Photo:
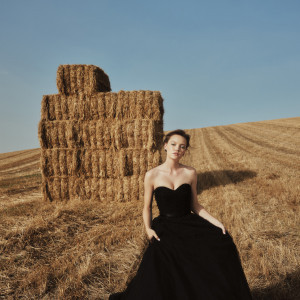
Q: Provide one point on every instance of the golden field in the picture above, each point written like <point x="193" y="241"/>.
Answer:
<point x="248" y="178"/>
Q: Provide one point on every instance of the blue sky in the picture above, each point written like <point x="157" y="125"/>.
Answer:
<point x="215" y="62"/>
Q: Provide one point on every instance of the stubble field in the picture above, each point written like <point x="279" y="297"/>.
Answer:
<point x="248" y="178"/>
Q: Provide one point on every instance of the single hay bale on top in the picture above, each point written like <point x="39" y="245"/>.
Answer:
<point x="76" y="79"/>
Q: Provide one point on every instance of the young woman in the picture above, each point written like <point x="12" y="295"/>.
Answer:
<point x="190" y="254"/>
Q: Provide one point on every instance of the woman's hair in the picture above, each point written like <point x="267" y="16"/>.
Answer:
<point x="179" y="132"/>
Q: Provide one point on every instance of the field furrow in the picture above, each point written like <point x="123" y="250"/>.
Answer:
<point x="277" y="144"/>
<point x="256" y="150"/>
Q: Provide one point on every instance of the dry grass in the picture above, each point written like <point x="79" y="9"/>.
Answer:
<point x="248" y="177"/>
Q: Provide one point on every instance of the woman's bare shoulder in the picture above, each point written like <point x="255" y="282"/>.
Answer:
<point x="188" y="168"/>
<point x="153" y="172"/>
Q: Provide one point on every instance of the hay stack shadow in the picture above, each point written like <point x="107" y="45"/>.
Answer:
<point x="288" y="289"/>
<point x="207" y="180"/>
<point x="97" y="144"/>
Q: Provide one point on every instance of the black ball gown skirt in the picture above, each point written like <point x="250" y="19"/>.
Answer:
<point x="193" y="259"/>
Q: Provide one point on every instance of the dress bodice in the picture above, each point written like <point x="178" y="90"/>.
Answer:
<point x="173" y="203"/>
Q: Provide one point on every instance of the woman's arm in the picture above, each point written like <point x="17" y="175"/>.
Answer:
<point x="198" y="209"/>
<point x="147" y="210"/>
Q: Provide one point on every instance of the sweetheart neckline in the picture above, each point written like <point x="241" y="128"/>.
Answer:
<point x="162" y="186"/>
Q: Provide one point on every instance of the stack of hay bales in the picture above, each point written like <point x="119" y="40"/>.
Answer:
<point x="97" y="144"/>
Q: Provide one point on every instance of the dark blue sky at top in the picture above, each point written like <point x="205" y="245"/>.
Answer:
<point x="215" y="62"/>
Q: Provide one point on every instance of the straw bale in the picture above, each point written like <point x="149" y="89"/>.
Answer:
<point x="56" y="107"/>
<point x="86" y="109"/>
<point x="110" y="106"/>
<point x="87" y="188"/>
<point x="78" y="191"/>
<point x="140" y="104"/>
<point x="143" y="162"/>
<point x="133" y="134"/>
<point x="77" y="106"/>
<point x="53" y="128"/>
<point x="109" y="189"/>
<point x="128" y="188"/>
<point x="132" y="104"/>
<point x="124" y="160"/>
<point x="81" y="77"/>
<point x="159" y="111"/>
<point x="130" y="134"/>
<point x="124" y="105"/>
<point x="119" y="190"/>
<point x="148" y="102"/>
<point x="62" y="161"/>
<point x="62" y="79"/>
<point x="98" y="163"/>
<point x="61" y="126"/>
<point x="46" y="163"/>
<point x="93" y="137"/>
<point x="94" y="106"/>
<point x="107" y="137"/>
<point x="134" y="187"/>
<point x="100" y="99"/>
<point x="103" y="170"/>
<point x="85" y="134"/>
<point x="136" y="161"/>
<point x="51" y="107"/>
<point x="71" y="162"/>
<point x="95" y="189"/>
<point x="73" y="134"/>
<point x="45" y="108"/>
<point x="95" y="164"/>
<point x="141" y="188"/>
<point x="65" y="112"/>
<point x="87" y="163"/>
<point x="137" y="134"/>
<point x="55" y="162"/>
<point x="100" y="135"/>
<point x="65" y="189"/>
<point x="56" y="188"/>
<point x="45" y="190"/>
<point x="42" y="134"/>
<point x="117" y="135"/>
<point x="73" y="80"/>
<point x="76" y="79"/>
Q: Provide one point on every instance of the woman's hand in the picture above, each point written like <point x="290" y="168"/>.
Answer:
<point x="151" y="233"/>
<point x="220" y="225"/>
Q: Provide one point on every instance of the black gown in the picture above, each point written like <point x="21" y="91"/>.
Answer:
<point x="193" y="259"/>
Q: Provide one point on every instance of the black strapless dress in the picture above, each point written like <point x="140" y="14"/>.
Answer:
<point x="193" y="260"/>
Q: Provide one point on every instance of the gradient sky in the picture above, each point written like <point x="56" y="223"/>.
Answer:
<point x="216" y="62"/>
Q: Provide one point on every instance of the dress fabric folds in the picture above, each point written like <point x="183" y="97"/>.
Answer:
<point x="193" y="260"/>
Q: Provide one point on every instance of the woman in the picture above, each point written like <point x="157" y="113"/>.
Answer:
<point x="190" y="254"/>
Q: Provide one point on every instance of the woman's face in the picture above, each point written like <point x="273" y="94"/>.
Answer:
<point x="176" y="146"/>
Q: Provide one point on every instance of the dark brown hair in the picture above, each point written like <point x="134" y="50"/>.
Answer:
<point x="179" y="132"/>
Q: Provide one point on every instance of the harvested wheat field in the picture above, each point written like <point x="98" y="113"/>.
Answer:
<point x="248" y="177"/>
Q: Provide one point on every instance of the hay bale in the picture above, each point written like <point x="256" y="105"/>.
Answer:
<point x="124" y="105"/>
<point x="76" y="79"/>
<point x="125" y="189"/>
<point x="43" y="134"/>
<point x="103" y="163"/>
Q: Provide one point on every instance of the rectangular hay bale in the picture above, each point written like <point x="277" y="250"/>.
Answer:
<point x="76" y="79"/>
